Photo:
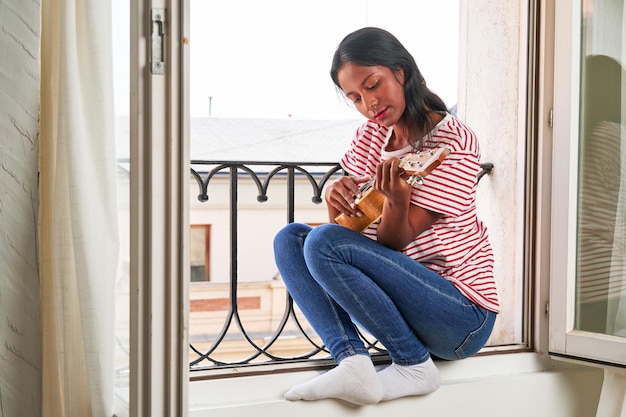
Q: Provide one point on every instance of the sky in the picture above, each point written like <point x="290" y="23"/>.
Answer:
<point x="271" y="59"/>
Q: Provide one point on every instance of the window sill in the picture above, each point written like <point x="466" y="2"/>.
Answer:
<point x="518" y="375"/>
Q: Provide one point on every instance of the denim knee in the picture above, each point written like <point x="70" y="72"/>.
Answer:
<point x="288" y="232"/>
<point x="331" y="234"/>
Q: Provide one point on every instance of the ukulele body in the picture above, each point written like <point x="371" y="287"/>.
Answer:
<point x="416" y="165"/>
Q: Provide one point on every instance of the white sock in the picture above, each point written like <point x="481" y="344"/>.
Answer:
<point x="402" y="381"/>
<point x="353" y="380"/>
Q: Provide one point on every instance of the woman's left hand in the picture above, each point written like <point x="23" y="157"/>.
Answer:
<point x="401" y="221"/>
<point x="390" y="181"/>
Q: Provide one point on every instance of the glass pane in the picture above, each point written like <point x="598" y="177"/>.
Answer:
<point x="198" y="252"/>
<point x="601" y="247"/>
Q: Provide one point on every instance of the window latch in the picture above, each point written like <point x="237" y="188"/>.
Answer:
<point x="157" y="64"/>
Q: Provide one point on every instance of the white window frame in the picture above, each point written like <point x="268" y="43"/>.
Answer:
<point x="159" y="236"/>
<point x="564" y="340"/>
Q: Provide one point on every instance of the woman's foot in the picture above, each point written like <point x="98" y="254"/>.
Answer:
<point x="402" y="381"/>
<point x="353" y="380"/>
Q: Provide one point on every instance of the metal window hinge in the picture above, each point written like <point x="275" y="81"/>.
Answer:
<point x="157" y="61"/>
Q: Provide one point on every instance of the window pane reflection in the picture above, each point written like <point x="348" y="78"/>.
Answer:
<point x="601" y="247"/>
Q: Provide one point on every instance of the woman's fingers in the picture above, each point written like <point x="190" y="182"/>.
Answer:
<point x="389" y="177"/>
<point x="385" y="173"/>
<point x="342" y="196"/>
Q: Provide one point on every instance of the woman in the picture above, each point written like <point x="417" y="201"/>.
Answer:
<point x="420" y="279"/>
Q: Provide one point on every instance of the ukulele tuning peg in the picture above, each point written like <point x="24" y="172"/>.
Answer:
<point x="415" y="179"/>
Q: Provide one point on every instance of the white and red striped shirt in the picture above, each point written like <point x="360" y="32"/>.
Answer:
<point x="456" y="246"/>
<point x="601" y="224"/>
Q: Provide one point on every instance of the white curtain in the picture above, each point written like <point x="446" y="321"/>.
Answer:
<point x="78" y="221"/>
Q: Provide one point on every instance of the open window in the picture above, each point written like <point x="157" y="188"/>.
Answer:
<point x="221" y="75"/>
<point x="588" y="278"/>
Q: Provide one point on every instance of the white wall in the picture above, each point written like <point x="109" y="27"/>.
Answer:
<point x="492" y="101"/>
<point x="20" y="340"/>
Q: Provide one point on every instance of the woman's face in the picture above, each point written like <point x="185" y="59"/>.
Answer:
<point x="377" y="92"/>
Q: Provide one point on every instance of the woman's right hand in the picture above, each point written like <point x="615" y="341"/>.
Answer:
<point x="341" y="195"/>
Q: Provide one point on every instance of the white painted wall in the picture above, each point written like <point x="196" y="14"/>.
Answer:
<point x="492" y="101"/>
<point x="20" y="340"/>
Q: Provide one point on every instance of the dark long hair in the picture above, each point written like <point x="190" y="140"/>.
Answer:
<point x="372" y="46"/>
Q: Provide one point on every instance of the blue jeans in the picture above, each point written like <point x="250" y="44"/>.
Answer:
<point x="339" y="277"/>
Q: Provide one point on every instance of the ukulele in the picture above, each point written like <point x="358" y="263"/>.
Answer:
<point x="415" y="165"/>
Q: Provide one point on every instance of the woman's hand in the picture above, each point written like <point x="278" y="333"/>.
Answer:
<point x="341" y="195"/>
<point x="401" y="221"/>
<point x="391" y="183"/>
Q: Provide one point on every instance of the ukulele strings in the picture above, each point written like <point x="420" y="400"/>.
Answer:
<point x="370" y="183"/>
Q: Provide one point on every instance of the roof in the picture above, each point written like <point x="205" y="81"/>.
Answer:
<point x="276" y="140"/>
<point x="285" y="140"/>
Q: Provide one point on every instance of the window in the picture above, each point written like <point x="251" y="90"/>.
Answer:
<point x="159" y="281"/>
<point x="267" y="97"/>
<point x="158" y="221"/>
<point x="199" y="252"/>
<point x="589" y="233"/>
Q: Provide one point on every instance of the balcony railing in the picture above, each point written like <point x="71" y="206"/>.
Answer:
<point x="291" y="325"/>
<point x="263" y="175"/>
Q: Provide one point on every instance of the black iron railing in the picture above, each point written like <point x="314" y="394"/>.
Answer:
<point x="262" y="174"/>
